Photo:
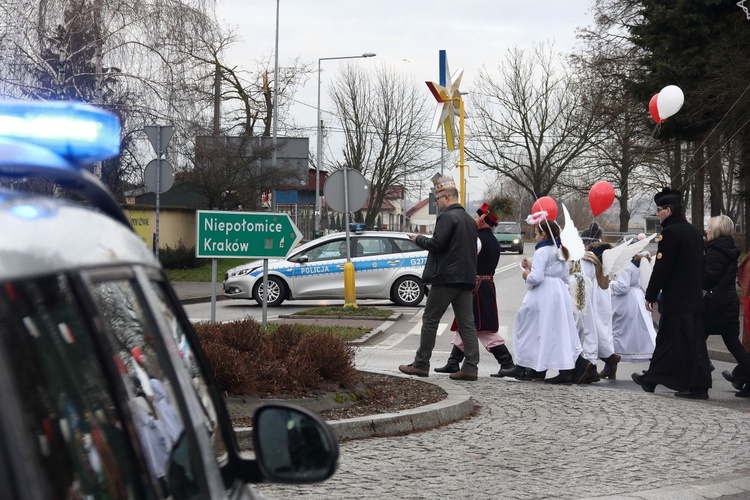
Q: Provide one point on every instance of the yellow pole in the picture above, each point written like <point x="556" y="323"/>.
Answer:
<point x="461" y="158"/>
<point x="350" y="289"/>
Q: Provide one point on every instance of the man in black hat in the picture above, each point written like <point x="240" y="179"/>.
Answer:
<point x="680" y="359"/>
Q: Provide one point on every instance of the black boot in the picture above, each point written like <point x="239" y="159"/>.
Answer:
<point x="503" y="356"/>
<point x="515" y="371"/>
<point x="534" y="375"/>
<point x="565" y="377"/>
<point x="457" y="355"/>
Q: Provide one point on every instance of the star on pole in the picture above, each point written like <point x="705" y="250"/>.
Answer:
<point x="450" y="97"/>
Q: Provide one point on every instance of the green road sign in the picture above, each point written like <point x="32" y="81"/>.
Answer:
<point x="254" y="235"/>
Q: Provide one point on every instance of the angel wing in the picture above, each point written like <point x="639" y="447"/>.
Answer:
<point x="570" y="238"/>
<point x="612" y="259"/>
<point x="616" y="259"/>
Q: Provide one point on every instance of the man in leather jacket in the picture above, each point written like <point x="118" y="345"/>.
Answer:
<point x="451" y="272"/>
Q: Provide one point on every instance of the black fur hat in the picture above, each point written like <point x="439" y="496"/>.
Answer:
<point x="667" y="196"/>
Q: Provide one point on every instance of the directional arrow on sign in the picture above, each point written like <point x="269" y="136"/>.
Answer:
<point x="251" y="235"/>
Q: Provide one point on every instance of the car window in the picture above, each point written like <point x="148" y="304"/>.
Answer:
<point x="405" y="245"/>
<point x="152" y="401"/>
<point x="508" y="229"/>
<point x="373" y="246"/>
<point x="77" y="428"/>
<point x="327" y="251"/>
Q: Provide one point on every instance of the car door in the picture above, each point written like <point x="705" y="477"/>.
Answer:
<point x="322" y="274"/>
<point x="376" y="260"/>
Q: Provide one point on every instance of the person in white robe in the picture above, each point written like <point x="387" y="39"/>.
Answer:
<point x="544" y="332"/>
<point x="582" y="281"/>
<point x="632" y="324"/>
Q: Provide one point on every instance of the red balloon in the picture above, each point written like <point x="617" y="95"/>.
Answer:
<point x="547" y="204"/>
<point x="654" y="109"/>
<point x="601" y="197"/>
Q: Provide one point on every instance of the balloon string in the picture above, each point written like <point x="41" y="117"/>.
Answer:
<point x="718" y="150"/>
<point x="643" y="149"/>
<point x="709" y="135"/>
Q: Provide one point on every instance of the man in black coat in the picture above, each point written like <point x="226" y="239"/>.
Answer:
<point x="680" y="360"/>
<point x="451" y="271"/>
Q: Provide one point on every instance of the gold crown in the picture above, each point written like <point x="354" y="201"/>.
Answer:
<point x="444" y="182"/>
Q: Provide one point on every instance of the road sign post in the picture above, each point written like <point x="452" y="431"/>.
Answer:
<point x="158" y="136"/>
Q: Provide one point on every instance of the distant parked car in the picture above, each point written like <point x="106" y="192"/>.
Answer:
<point x="509" y="236"/>
<point x="387" y="265"/>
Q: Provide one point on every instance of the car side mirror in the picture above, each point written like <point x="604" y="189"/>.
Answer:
<point x="302" y="259"/>
<point x="293" y="445"/>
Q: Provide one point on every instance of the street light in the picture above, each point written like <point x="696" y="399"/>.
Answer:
<point x="318" y="153"/>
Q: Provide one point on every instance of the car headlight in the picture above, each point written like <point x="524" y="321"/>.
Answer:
<point x="516" y="241"/>
<point x="240" y="272"/>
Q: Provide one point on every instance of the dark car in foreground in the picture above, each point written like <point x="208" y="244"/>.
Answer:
<point x="106" y="392"/>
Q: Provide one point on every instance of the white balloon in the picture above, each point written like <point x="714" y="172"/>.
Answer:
<point x="669" y="101"/>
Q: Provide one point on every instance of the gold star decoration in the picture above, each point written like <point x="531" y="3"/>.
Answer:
<point x="449" y="96"/>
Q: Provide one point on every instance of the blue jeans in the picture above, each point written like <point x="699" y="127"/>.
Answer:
<point x="438" y="300"/>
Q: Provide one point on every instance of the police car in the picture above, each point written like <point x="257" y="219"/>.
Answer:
<point x="387" y="265"/>
<point x="105" y="390"/>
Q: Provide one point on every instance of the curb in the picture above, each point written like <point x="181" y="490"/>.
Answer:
<point x="392" y="317"/>
<point x="201" y="300"/>
<point x="457" y="405"/>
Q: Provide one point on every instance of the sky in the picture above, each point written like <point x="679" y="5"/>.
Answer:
<point x="405" y="34"/>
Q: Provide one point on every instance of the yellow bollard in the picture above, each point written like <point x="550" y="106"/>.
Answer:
<point x="350" y="290"/>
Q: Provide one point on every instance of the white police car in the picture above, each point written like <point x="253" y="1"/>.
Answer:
<point x="387" y="265"/>
<point x="105" y="391"/>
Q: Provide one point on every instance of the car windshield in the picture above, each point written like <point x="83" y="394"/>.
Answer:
<point x="508" y="229"/>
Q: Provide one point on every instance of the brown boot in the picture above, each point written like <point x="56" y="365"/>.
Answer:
<point x="610" y="367"/>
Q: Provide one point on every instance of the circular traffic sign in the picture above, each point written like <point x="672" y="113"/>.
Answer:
<point x="356" y="185"/>
<point x="166" y="179"/>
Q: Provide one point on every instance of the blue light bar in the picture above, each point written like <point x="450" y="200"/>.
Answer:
<point x="76" y="131"/>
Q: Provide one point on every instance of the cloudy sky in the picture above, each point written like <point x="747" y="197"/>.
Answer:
<point x="405" y="34"/>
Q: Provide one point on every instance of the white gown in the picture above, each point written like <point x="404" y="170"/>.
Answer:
<point x="632" y="325"/>
<point x="544" y="332"/>
<point x="585" y="321"/>
<point x="601" y="309"/>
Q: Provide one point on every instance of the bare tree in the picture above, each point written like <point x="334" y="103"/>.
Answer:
<point x="529" y="124"/>
<point x="120" y="55"/>
<point x="385" y="120"/>
<point x="625" y="149"/>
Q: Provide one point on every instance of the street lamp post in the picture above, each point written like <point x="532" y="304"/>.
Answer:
<point x="318" y="153"/>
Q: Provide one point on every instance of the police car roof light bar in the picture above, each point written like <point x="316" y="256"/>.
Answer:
<point x="80" y="133"/>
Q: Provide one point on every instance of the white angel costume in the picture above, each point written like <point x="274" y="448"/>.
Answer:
<point x="632" y="325"/>
<point x="584" y="315"/>
<point x="544" y="331"/>
<point x="601" y="310"/>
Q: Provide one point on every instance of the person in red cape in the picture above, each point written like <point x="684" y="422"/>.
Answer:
<point x="743" y="280"/>
<point x="485" y="299"/>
